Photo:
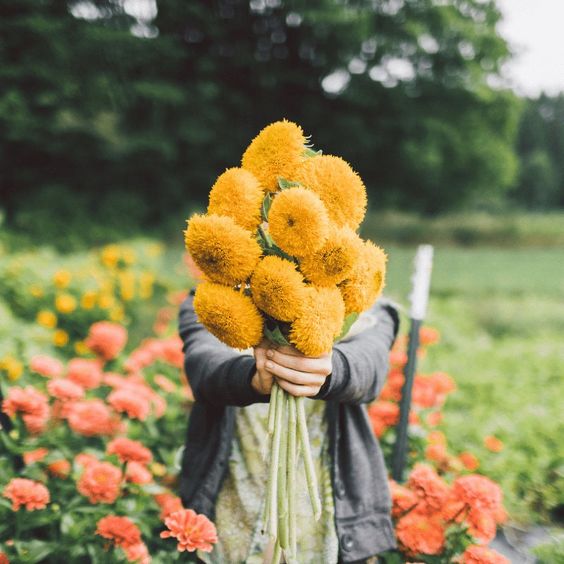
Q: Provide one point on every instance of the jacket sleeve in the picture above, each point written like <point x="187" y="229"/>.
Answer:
<point x="361" y="364"/>
<point x="217" y="374"/>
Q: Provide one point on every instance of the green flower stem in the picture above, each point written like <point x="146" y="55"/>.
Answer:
<point x="272" y="528"/>
<point x="277" y="553"/>
<point x="292" y="463"/>
<point x="272" y="408"/>
<point x="308" y="461"/>
<point x="283" y="476"/>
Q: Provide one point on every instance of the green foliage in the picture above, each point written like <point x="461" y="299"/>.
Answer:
<point x="102" y="124"/>
<point x="503" y="229"/>
<point x="540" y="146"/>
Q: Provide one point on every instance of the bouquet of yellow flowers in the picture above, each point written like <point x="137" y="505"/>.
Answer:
<point x="282" y="259"/>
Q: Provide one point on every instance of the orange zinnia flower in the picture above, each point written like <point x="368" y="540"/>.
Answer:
<point x="403" y="499"/>
<point x="64" y="389"/>
<point x="121" y="530"/>
<point x="431" y="490"/>
<point x="134" y="405"/>
<point x="31" y="403"/>
<point x="421" y="534"/>
<point x="493" y="443"/>
<point x="429" y="335"/>
<point x="23" y="492"/>
<point x="136" y="473"/>
<point x="129" y="450"/>
<point x="475" y="554"/>
<point x="106" y="339"/>
<point x="36" y="455"/>
<point x="469" y="461"/>
<point x="83" y="459"/>
<point x="46" y="366"/>
<point x="168" y="503"/>
<point x="100" y="482"/>
<point x="193" y="531"/>
<point x="59" y="468"/>
<point x="85" y="372"/>
<point x="92" y="418"/>
<point x="137" y="553"/>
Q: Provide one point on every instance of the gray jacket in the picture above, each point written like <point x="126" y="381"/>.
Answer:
<point x="220" y="378"/>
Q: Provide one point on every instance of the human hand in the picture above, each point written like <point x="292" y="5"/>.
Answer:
<point x="296" y="373"/>
<point x="263" y="379"/>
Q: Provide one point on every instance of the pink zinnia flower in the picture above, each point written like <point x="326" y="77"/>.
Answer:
<point x="85" y="372"/>
<point x="106" y="339"/>
<point x="32" y="404"/>
<point x="92" y="418"/>
<point x="135" y="405"/>
<point x="64" y="389"/>
<point x="46" y="366"/>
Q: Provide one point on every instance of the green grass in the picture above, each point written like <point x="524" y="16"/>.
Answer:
<point x="501" y="317"/>
<point x="509" y="228"/>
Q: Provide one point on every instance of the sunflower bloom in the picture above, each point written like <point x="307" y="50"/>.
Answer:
<point x="278" y="288"/>
<point x="224" y="251"/>
<point x="367" y="279"/>
<point x="238" y="195"/>
<point x="319" y="322"/>
<point x="229" y="315"/>
<point x="335" y="260"/>
<point x="298" y="221"/>
<point x="275" y="152"/>
<point x="339" y="187"/>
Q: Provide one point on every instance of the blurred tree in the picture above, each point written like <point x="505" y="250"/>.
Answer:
<point x="128" y="110"/>
<point x="540" y="145"/>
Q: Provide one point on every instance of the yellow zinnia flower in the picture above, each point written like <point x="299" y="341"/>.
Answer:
<point x="320" y="321"/>
<point x="367" y="279"/>
<point x="335" y="260"/>
<point x="88" y="299"/>
<point x="65" y="303"/>
<point x="229" y="315"/>
<point x="275" y="152"/>
<point x="36" y="291"/>
<point x="62" y="278"/>
<point x="339" y="187"/>
<point x="126" y="285"/>
<point x="278" y="288"/>
<point x="224" y="251"/>
<point x="46" y="318"/>
<point x="110" y="255"/>
<point x="237" y="194"/>
<point x="298" y="221"/>
<point x="60" y="338"/>
<point x="106" y="300"/>
<point x="146" y="281"/>
<point x="12" y="366"/>
<point x="81" y="348"/>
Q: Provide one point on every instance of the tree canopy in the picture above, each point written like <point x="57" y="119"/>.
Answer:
<point x="129" y="117"/>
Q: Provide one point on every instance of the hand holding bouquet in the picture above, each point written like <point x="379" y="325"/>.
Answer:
<point x="282" y="259"/>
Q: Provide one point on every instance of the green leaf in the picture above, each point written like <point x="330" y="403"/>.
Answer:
<point x="347" y="324"/>
<point x="285" y="184"/>
<point x="275" y="335"/>
<point x="266" y="203"/>
<point x="309" y="152"/>
<point x="34" y="551"/>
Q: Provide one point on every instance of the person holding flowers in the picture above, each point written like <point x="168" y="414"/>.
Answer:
<point x="286" y="338"/>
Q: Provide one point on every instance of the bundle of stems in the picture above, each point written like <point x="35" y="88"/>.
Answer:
<point x="287" y="430"/>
